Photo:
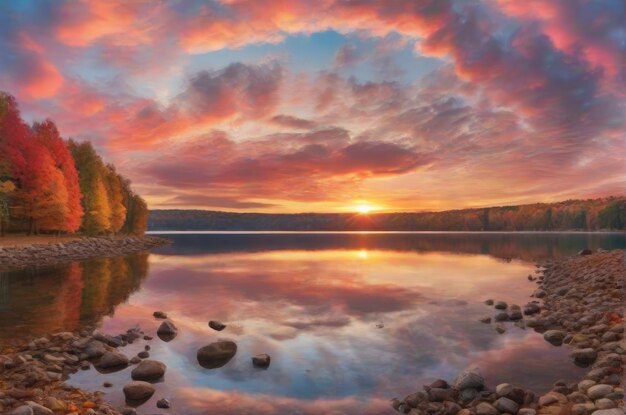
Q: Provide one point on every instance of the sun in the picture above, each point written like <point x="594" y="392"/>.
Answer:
<point x="364" y="208"/>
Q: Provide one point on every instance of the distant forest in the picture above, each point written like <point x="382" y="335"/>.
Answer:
<point x="49" y="184"/>
<point x="583" y="215"/>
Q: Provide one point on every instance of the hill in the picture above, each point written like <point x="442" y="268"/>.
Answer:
<point x="591" y="215"/>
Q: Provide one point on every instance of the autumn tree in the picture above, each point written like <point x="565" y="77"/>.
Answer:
<point x="47" y="135"/>
<point x="91" y="178"/>
<point x="116" y="194"/>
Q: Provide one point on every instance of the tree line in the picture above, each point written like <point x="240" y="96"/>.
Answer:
<point x="49" y="184"/>
<point x="583" y="215"/>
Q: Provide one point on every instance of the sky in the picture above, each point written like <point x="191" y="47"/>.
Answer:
<point x="332" y="105"/>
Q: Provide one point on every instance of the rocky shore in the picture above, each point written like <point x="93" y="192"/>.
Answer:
<point x="79" y="249"/>
<point x="579" y="304"/>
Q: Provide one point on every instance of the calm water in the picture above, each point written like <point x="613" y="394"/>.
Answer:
<point x="350" y="320"/>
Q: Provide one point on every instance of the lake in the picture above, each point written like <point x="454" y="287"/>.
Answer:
<point x="350" y="320"/>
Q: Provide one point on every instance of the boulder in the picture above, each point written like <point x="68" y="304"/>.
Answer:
<point x="503" y="316"/>
<point x="138" y="390"/>
<point x="216" y="355"/>
<point x="148" y="370"/>
<point x="585" y="252"/>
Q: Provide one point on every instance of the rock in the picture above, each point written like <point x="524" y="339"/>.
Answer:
<point x="539" y="293"/>
<point x="548" y="399"/>
<point x="143" y="354"/>
<point x="605" y="403"/>
<point x="500" y="328"/>
<point x="134" y="360"/>
<point x="439" y="383"/>
<point x="470" y="378"/>
<point x="614" y="411"/>
<point x="489" y="302"/>
<point x="599" y="391"/>
<point x="585" y="356"/>
<point x="159" y="315"/>
<point x="531" y="308"/>
<point x="216" y="355"/>
<point x="527" y="411"/>
<point x="585" y="252"/>
<point x="112" y="360"/>
<point x="261" y="360"/>
<point x="163" y="403"/>
<point x="486" y="320"/>
<point x="500" y="305"/>
<point x="22" y="410"/>
<point x="167" y="331"/>
<point x="583" y="385"/>
<point x="451" y="408"/>
<point x="506" y="405"/>
<point x="485" y="408"/>
<point x="138" y="390"/>
<point x="38" y="409"/>
<point x="107" y="384"/>
<point x="554" y="337"/>
<point x="503" y="316"/>
<point x="55" y="405"/>
<point x="216" y="325"/>
<point x="148" y="370"/>
<point x="516" y="315"/>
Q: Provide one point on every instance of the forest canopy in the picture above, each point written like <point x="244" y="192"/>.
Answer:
<point x="49" y="184"/>
<point x="583" y="215"/>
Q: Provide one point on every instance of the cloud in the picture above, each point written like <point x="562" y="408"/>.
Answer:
<point x="292" y="122"/>
<point x="212" y="201"/>
<point x="348" y="55"/>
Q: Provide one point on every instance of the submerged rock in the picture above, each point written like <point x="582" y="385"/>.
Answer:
<point x="113" y="360"/>
<point x="137" y="390"/>
<point x="216" y="325"/>
<point x="216" y="355"/>
<point x="148" y="370"/>
<point x="159" y="314"/>
<point x="554" y="337"/>
<point x="167" y="331"/>
<point x="261" y="360"/>
<point x="163" y="403"/>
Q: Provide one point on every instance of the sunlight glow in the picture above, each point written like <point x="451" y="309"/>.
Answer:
<point x="364" y="208"/>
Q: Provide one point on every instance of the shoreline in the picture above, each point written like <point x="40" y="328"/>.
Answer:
<point x="579" y="304"/>
<point x="79" y="248"/>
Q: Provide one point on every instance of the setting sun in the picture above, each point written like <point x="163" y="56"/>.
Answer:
<point x="364" y="208"/>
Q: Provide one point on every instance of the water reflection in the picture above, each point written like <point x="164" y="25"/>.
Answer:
<point x="348" y="320"/>
<point x="36" y="301"/>
<point x="527" y="246"/>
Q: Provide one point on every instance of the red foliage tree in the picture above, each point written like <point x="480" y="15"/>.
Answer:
<point x="47" y="134"/>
